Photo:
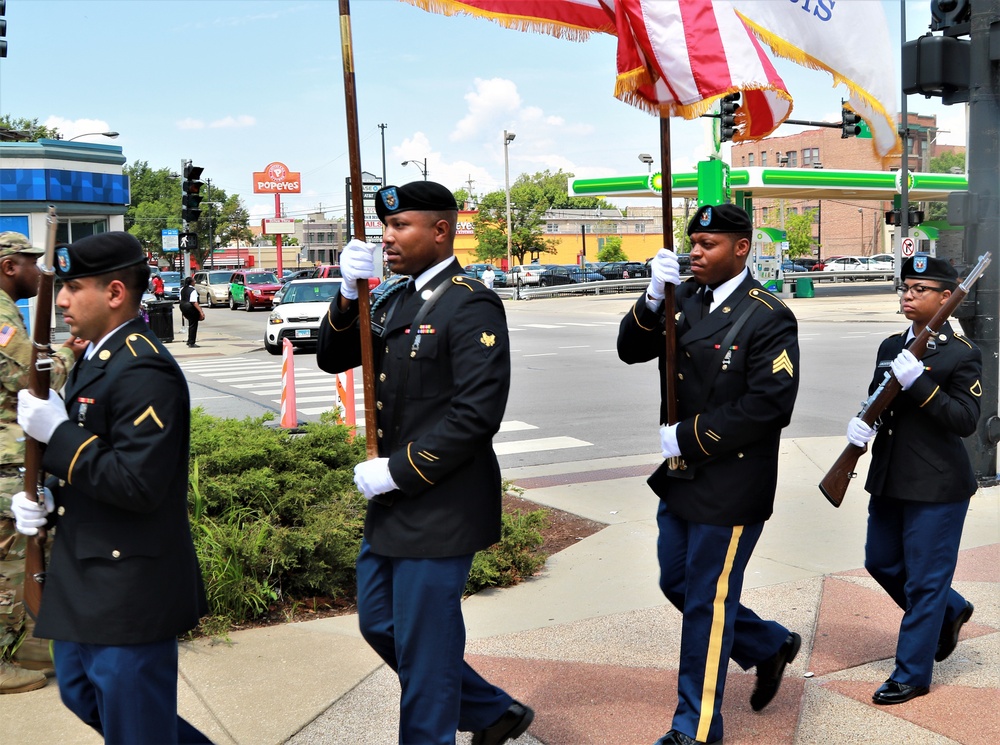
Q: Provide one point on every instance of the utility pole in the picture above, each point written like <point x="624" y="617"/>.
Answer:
<point x="382" y="127"/>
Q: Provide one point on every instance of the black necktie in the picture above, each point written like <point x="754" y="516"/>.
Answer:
<point x="706" y="301"/>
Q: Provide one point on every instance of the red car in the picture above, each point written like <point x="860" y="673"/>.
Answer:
<point x="249" y="289"/>
<point x="333" y="270"/>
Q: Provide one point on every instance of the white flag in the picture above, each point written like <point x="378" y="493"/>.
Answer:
<point x="850" y="40"/>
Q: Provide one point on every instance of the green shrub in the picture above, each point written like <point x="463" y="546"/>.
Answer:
<point x="276" y="518"/>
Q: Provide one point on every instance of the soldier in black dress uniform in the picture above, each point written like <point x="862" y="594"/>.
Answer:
<point x="124" y="579"/>
<point x="442" y="360"/>
<point x="921" y="479"/>
<point x="737" y="377"/>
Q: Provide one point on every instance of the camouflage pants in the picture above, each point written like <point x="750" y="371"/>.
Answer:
<point x="16" y="626"/>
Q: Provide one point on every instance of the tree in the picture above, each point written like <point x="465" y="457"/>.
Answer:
<point x="947" y="162"/>
<point x="527" y="210"/>
<point x="25" y="130"/>
<point x="612" y="250"/>
<point x="682" y="243"/>
<point x="554" y="189"/>
<point x="798" y="228"/>
<point x="462" y="197"/>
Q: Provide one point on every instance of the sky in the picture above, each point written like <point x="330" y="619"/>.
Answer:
<point x="234" y="85"/>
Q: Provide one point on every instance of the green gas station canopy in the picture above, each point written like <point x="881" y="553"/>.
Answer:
<point x="783" y="183"/>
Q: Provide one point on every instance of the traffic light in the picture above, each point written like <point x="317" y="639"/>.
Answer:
<point x="850" y="123"/>
<point x="727" y="116"/>
<point x="3" y="28"/>
<point x="191" y="188"/>
<point x="948" y="13"/>
<point x="895" y="217"/>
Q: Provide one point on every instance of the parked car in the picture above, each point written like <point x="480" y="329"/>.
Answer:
<point x="791" y="266"/>
<point x="297" y="314"/>
<point x="171" y="286"/>
<point x="683" y="261"/>
<point x="807" y="263"/>
<point x="855" y="264"/>
<point x="499" y="276"/>
<point x="890" y="258"/>
<point x="567" y="275"/>
<point x="290" y="275"/>
<point x="333" y="271"/>
<point x="526" y="274"/>
<point x="879" y="262"/>
<point x="249" y="289"/>
<point x="212" y="287"/>
<point x="624" y="270"/>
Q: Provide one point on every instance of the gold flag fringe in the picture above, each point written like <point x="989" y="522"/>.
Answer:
<point x="510" y="20"/>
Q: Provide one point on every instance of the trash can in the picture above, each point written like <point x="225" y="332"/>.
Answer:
<point x="804" y="287"/>
<point x="161" y="319"/>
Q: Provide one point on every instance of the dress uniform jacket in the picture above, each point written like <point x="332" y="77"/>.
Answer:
<point x="728" y="434"/>
<point x="124" y="569"/>
<point x="918" y="453"/>
<point x="441" y="395"/>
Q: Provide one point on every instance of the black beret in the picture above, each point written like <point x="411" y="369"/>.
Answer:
<point x="424" y="196"/>
<point x="720" y="218"/>
<point x="924" y="266"/>
<point x="98" y="254"/>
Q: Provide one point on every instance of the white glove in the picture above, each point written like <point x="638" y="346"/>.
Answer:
<point x="859" y="433"/>
<point x="907" y="369"/>
<point x="668" y="441"/>
<point x="356" y="262"/>
<point x="663" y="269"/>
<point x="39" y="417"/>
<point x="29" y="516"/>
<point x="372" y="477"/>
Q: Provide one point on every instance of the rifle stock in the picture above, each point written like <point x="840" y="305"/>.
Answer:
<point x="835" y="482"/>
<point x="38" y="385"/>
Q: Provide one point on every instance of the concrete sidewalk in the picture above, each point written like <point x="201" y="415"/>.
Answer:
<point x="592" y="646"/>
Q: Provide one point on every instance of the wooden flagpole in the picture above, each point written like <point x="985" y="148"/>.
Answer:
<point x="358" y="219"/>
<point x="669" y="326"/>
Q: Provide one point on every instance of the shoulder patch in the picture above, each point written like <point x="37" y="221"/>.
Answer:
<point x="7" y="332"/>
<point x="135" y="345"/>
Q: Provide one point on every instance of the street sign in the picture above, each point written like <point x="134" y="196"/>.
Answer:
<point x="907" y="246"/>
<point x="168" y="238"/>
<point x="188" y="241"/>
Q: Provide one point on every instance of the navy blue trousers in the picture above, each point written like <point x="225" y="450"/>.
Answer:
<point x="126" y="693"/>
<point x="410" y="612"/>
<point x="701" y="574"/>
<point x="912" y="549"/>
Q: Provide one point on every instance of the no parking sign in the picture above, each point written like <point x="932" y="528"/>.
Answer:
<point x="907" y="246"/>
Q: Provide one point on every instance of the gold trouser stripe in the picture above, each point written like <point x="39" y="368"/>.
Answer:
<point x="69" y="474"/>
<point x="637" y="320"/>
<point x="714" y="657"/>
<point x="933" y="394"/>
<point x="409" y="457"/>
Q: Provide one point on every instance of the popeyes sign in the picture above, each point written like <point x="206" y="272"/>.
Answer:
<point x="277" y="179"/>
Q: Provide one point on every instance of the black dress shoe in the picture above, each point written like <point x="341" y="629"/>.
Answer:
<point x="673" y="737"/>
<point x="949" y="633"/>
<point x="509" y="726"/>
<point x="892" y="692"/>
<point x="771" y="670"/>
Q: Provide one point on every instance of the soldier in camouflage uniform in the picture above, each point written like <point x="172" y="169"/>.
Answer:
<point x="18" y="280"/>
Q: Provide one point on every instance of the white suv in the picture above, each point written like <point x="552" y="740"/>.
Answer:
<point x="525" y="274"/>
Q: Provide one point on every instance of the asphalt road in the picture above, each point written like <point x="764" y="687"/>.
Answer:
<point x="571" y="398"/>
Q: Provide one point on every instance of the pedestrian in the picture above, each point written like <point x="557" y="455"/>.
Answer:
<point x="24" y="659"/>
<point x="489" y="276"/>
<point x="124" y="580"/>
<point x="921" y="479"/>
<point x="735" y="369"/>
<point x="157" y="283"/>
<point x="442" y="356"/>
<point x="191" y="310"/>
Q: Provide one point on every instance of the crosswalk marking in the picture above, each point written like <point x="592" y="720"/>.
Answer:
<point x="515" y="426"/>
<point x="540" y="443"/>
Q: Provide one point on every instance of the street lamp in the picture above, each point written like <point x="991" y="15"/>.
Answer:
<point x="422" y="169"/>
<point x="861" y="214"/>
<point x="508" y="137"/>
<point x="110" y="135"/>
<point x="647" y="159"/>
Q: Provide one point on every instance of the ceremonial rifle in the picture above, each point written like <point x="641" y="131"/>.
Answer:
<point x="38" y="385"/>
<point x="834" y="484"/>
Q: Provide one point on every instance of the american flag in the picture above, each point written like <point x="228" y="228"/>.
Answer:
<point x="7" y="332"/>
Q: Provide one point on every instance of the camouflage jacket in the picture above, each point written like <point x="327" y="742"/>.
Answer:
<point x="15" y="361"/>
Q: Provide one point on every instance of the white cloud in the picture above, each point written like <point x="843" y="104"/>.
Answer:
<point x="70" y="128"/>
<point x="190" y="123"/>
<point x="492" y="102"/>
<point x="229" y="122"/>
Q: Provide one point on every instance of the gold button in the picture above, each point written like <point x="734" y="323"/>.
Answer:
<point x="688" y="355"/>
<point x="387" y="349"/>
<point x="680" y="376"/>
<point x="890" y="433"/>
<point x="61" y="511"/>
<point x="105" y="354"/>
<point x="381" y="378"/>
<point x="378" y="405"/>
<point x="739" y="455"/>
<point x="379" y="431"/>
<point x="116" y="554"/>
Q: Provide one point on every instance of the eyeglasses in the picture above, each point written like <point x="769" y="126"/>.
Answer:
<point x="918" y="290"/>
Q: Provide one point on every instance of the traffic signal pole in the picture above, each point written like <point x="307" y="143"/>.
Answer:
<point x="982" y="225"/>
